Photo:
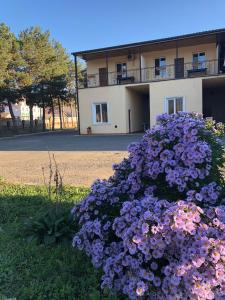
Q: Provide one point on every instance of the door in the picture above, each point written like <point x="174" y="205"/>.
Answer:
<point x="179" y="67"/>
<point x="103" y="77"/>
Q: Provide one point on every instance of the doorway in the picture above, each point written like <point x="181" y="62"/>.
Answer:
<point x="214" y="99"/>
<point x="138" y="108"/>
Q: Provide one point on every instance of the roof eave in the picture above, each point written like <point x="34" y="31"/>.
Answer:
<point x="150" y="42"/>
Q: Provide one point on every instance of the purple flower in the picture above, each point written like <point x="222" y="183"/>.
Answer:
<point x="141" y="288"/>
<point x="156" y="227"/>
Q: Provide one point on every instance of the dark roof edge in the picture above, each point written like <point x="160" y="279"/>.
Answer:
<point x="123" y="46"/>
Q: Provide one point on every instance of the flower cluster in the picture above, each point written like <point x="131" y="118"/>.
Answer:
<point x="150" y="244"/>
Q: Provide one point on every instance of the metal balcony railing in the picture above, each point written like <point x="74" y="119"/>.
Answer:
<point x="144" y="75"/>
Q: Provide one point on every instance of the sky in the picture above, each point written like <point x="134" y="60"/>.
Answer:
<point x="89" y="24"/>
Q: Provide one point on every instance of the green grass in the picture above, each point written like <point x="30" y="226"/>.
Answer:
<point x="30" y="271"/>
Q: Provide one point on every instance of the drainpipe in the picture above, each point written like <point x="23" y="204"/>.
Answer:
<point x="77" y="93"/>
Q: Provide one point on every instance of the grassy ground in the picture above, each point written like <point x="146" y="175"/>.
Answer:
<point x="30" y="271"/>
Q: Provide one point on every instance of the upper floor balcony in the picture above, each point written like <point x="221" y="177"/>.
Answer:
<point x="178" y="70"/>
<point x="193" y="55"/>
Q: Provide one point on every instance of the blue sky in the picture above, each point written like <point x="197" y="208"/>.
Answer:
<point x="87" y="24"/>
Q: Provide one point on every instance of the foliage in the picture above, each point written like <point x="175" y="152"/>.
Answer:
<point x="12" y="72"/>
<point x="157" y="227"/>
<point x="30" y="270"/>
<point x="46" y="63"/>
<point x="55" y="226"/>
<point x="36" y="68"/>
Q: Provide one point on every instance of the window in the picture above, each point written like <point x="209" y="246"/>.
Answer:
<point x="160" y="67"/>
<point x="174" y="105"/>
<point x="100" y="113"/>
<point x="199" y="60"/>
<point x="121" y="70"/>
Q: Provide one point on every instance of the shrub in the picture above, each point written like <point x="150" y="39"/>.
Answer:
<point x="157" y="226"/>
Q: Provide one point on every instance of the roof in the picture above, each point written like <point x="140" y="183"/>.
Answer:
<point x="151" y="42"/>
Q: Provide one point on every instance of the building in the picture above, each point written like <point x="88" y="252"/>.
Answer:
<point x="127" y="86"/>
<point x="21" y="111"/>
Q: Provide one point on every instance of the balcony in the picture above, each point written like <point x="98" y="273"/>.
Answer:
<point x="151" y="74"/>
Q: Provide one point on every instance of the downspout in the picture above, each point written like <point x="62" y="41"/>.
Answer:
<point x="77" y="94"/>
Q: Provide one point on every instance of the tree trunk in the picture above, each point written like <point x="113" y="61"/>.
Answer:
<point x="63" y="120"/>
<point x="43" y="117"/>
<point x="71" y="111"/>
<point x="12" y="115"/>
<point x="53" y="116"/>
<point x="60" y="114"/>
<point x="31" y="117"/>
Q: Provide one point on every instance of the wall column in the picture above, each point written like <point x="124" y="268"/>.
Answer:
<point x="140" y="64"/>
<point x="107" y="68"/>
<point x="77" y="94"/>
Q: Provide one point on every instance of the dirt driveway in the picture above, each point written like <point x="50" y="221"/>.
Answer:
<point x="82" y="159"/>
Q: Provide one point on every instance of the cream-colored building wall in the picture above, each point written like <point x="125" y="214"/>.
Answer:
<point x="114" y="96"/>
<point x="187" y="52"/>
<point x="148" y="62"/>
<point x="94" y="65"/>
<point x="190" y="89"/>
<point x="121" y="98"/>
<point x="149" y="57"/>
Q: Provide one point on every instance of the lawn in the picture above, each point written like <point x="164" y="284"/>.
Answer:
<point x="31" y="271"/>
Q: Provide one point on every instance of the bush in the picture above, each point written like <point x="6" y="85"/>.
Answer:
<point x="157" y="227"/>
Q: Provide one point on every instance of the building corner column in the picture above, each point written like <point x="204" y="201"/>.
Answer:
<point x="77" y="94"/>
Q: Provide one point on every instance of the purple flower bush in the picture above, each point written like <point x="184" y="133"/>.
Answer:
<point x="156" y="228"/>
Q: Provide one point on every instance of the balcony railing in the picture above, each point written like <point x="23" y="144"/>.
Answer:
<point x="144" y="75"/>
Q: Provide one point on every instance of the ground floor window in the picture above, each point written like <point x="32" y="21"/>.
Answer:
<point x="100" y="113"/>
<point x="174" y="104"/>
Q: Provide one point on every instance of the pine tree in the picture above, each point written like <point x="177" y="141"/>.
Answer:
<point x="38" y="54"/>
<point x="12" y="73"/>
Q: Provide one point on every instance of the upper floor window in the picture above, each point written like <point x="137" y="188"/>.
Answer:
<point x="174" y="104"/>
<point x="121" y="70"/>
<point x="160" y="67"/>
<point x="100" y="113"/>
<point x="199" y="60"/>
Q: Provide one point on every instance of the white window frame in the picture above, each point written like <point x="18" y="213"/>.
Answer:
<point x="200" y="64"/>
<point x="94" y="112"/>
<point x="166" y="101"/>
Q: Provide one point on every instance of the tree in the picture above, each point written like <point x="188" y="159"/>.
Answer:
<point x="38" y="54"/>
<point x="11" y="71"/>
<point x="58" y="79"/>
<point x="47" y="69"/>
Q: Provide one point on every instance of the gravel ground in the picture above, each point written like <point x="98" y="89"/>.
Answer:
<point x="79" y="168"/>
<point x="81" y="159"/>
